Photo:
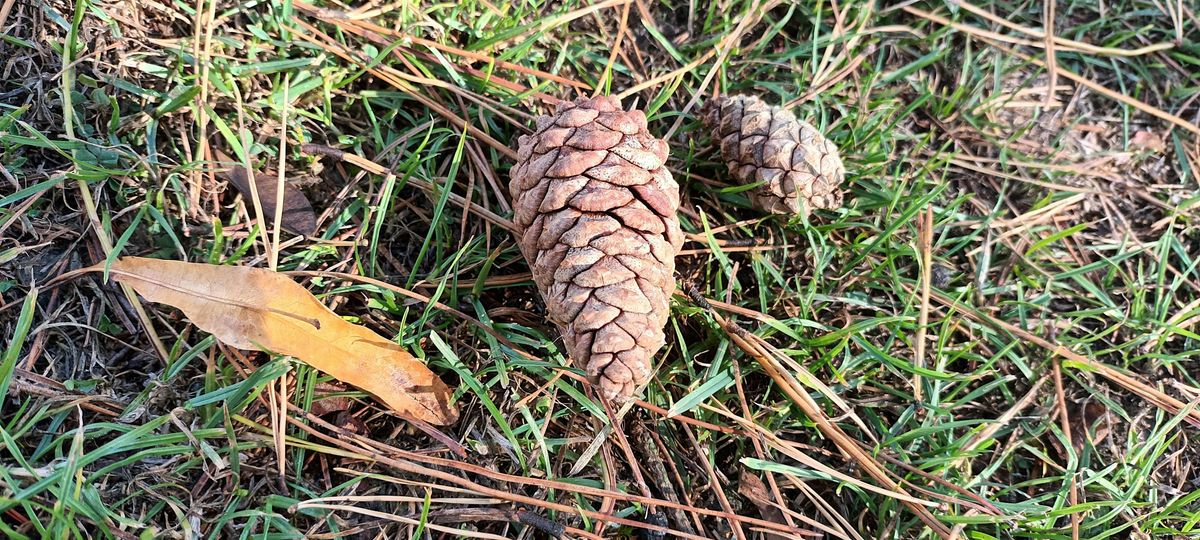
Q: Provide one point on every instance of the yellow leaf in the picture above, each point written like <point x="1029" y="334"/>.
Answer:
<point x="252" y="308"/>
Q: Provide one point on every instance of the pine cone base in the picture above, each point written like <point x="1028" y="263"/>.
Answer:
<point x="594" y="208"/>
<point x="796" y="168"/>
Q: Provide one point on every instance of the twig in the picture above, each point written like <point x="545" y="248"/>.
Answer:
<point x="658" y="472"/>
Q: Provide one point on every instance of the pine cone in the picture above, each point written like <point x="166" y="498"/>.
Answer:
<point x="799" y="170"/>
<point x="595" y="214"/>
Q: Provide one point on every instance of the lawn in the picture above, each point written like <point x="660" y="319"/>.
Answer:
<point x="994" y="336"/>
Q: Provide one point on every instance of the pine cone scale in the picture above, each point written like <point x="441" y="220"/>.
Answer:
<point x="594" y="139"/>
<point x="594" y="209"/>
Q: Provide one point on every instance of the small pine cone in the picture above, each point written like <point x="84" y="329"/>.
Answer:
<point x="799" y="169"/>
<point x="595" y="217"/>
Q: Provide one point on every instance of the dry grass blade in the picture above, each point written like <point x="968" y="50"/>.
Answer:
<point x="333" y="17"/>
<point x="85" y="191"/>
<point x="1129" y="382"/>
<point x="391" y="76"/>
<point x="993" y="38"/>
<point x="463" y="533"/>
<point x="1065" y="424"/>
<point x="727" y="45"/>
<point x="375" y="168"/>
<point x="5" y="8"/>
<point x="788" y="449"/>
<point x="753" y="488"/>
<point x="925" y="245"/>
<point x="1051" y="62"/>
<point x="990" y="431"/>
<point x="758" y="350"/>
<point x="859" y="404"/>
<point x="1063" y="43"/>
<point x="354" y="447"/>
<point x="251" y="308"/>
<point x="384" y="37"/>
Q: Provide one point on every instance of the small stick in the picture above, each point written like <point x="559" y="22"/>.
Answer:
<point x="658" y="472"/>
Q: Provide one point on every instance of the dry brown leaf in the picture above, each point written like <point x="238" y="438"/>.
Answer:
<point x="753" y="488"/>
<point x="1147" y="141"/>
<point x="252" y="308"/>
<point x="323" y="403"/>
<point x="1085" y="427"/>
<point x="1084" y="418"/>
<point x="298" y="216"/>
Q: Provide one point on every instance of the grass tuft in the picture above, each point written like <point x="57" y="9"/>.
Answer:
<point x="994" y="338"/>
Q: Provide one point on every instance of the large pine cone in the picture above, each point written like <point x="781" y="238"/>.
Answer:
<point x="595" y="214"/>
<point x="797" y="168"/>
